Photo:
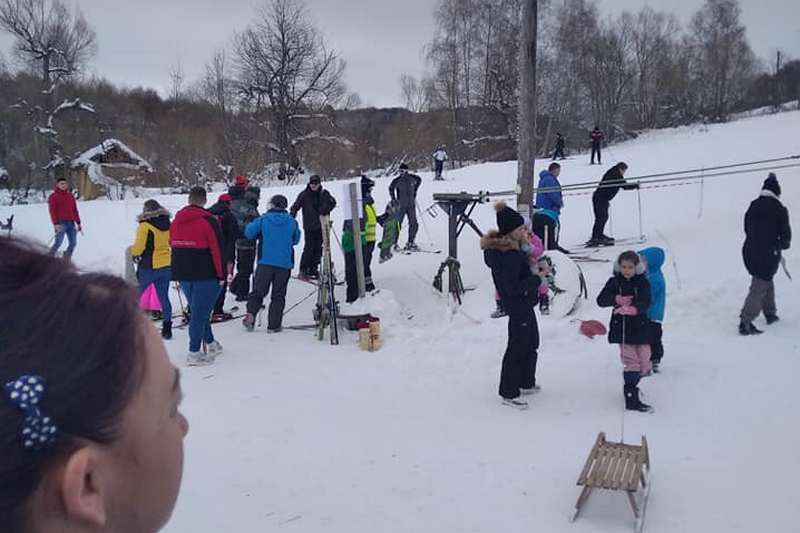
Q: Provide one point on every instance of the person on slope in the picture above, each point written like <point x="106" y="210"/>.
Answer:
<point x="279" y="234"/>
<point x="439" y="157"/>
<point x="768" y="233"/>
<point x="64" y="215"/>
<point x="597" y="137"/>
<point x="653" y="259"/>
<point x="314" y="201"/>
<point x="403" y="191"/>
<point x="195" y="238"/>
<point x="151" y="248"/>
<point x="628" y="292"/>
<point x="370" y="229"/>
<point x="561" y="144"/>
<point x="91" y="431"/>
<point x="613" y="180"/>
<point x="519" y="290"/>
<point x="244" y="207"/>
<point x="230" y="234"/>
<point x="546" y="218"/>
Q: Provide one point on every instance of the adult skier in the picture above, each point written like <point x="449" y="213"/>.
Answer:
<point x="230" y="234"/>
<point x="768" y="233"/>
<point x="314" y="201"/>
<point x="403" y="191"/>
<point x="439" y="157"/>
<point x="64" y="215"/>
<point x="546" y="219"/>
<point x="244" y="207"/>
<point x="561" y="144"/>
<point x="613" y="180"/>
<point x="597" y="137"/>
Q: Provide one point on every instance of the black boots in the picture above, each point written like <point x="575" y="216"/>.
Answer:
<point x="632" y="401"/>
<point x="166" y="330"/>
<point x="748" y="329"/>
<point x="771" y="319"/>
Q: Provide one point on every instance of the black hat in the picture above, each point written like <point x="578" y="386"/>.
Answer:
<point x="771" y="184"/>
<point x="366" y="183"/>
<point x="403" y="166"/>
<point x="279" y="202"/>
<point x="315" y="179"/>
<point x="507" y="219"/>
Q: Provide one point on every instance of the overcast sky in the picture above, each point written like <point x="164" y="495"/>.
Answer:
<point x="139" y="40"/>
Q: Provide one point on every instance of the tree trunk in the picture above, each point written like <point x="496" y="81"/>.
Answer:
<point x="527" y="107"/>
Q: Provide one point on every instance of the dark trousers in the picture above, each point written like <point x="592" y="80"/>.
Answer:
<point x="219" y="306"/>
<point x="245" y="258"/>
<point x="411" y="212"/>
<point x="369" y="248"/>
<point x="275" y="278"/>
<point x="312" y="252"/>
<point x="546" y="229"/>
<point x="559" y="153"/>
<point x="519" y="362"/>
<point x="656" y="346"/>
<point x="601" y="206"/>
<point x="351" y="276"/>
<point x="760" y="297"/>
<point x="596" y="150"/>
<point x="438" y="167"/>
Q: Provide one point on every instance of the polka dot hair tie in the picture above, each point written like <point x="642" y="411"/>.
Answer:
<point x="38" y="430"/>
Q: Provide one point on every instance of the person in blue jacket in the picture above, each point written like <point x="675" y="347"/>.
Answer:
<point x="279" y="235"/>
<point x="654" y="260"/>
<point x="546" y="220"/>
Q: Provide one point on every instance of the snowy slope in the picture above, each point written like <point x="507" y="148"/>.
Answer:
<point x="294" y="434"/>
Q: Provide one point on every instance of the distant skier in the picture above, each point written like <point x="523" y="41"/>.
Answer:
<point x="597" y="137"/>
<point x="230" y="234"/>
<point x="561" y="144"/>
<point x="195" y="238"/>
<point x="768" y="233"/>
<point x="279" y="234"/>
<point x="546" y="219"/>
<point x="151" y="250"/>
<point x="439" y="157"/>
<point x="628" y="292"/>
<point x="64" y="215"/>
<point x="519" y="291"/>
<point x="653" y="259"/>
<point x="244" y="207"/>
<point x="314" y="201"/>
<point x="403" y="191"/>
<point x="613" y="180"/>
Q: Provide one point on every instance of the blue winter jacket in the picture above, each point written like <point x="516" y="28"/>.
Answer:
<point x="550" y="203"/>
<point x="279" y="234"/>
<point x="658" y="287"/>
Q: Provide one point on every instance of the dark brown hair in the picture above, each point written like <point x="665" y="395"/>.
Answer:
<point x="151" y="205"/>
<point x="82" y="333"/>
<point x="630" y="256"/>
<point x="197" y="195"/>
<point x="553" y="166"/>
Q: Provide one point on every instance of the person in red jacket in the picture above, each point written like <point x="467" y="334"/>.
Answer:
<point x="65" y="217"/>
<point x="195" y="238"/>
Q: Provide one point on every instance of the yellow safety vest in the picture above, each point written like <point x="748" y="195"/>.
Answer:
<point x="371" y="224"/>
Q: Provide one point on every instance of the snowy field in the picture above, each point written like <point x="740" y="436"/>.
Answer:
<point x="290" y="434"/>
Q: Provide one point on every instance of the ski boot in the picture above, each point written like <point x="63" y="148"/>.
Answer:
<point x="166" y="330"/>
<point x="748" y="329"/>
<point x="771" y="319"/>
<point x="544" y="305"/>
<point x="411" y="247"/>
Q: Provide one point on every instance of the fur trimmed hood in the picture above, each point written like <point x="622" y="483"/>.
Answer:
<point x="493" y="240"/>
<point x="150" y="215"/>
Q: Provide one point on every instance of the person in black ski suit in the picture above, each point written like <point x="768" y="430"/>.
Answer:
<point x="768" y="233"/>
<point x="561" y="144"/>
<point x="613" y="180"/>
<point x="403" y="191"/>
<point x="314" y="201"/>
<point x="244" y="207"/>
<point x="597" y="137"/>
<point x="230" y="234"/>
<point x="518" y="288"/>
<point x="628" y="292"/>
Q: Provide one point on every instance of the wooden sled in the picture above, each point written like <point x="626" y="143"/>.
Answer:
<point x="617" y="466"/>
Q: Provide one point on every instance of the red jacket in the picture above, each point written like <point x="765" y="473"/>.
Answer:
<point x="195" y="237"/>
<point x="63" y="207"/>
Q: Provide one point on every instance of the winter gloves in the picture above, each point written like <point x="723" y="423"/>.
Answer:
<point x="625" y="306"/>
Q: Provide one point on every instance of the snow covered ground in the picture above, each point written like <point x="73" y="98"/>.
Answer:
<point x="295" y="435"/>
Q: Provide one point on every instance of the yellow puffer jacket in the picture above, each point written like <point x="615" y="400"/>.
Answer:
<point x="371" y="223"/>
<point x="152" y="240"/>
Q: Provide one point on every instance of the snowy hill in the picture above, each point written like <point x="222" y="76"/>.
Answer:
<point x="290" y="433"/>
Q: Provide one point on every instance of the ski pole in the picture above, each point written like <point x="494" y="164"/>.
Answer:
<point x="639" y="199"/>
<point x="424" y="224"/>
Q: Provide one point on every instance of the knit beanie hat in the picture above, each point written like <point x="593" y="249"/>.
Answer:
<point x="771" y="184"/>
<point x="507" y="219"/>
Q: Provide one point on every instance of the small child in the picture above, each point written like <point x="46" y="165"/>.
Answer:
<point x="653" y="259"/>
<point x="534" y="249"/>
<point x="628" y="292"/>
<point x="391" y="231"/>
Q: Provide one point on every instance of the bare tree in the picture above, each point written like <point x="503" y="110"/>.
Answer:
<point x="283" y="61"/>
<point x="176" y="79"/>
<point x="415" y="94"/>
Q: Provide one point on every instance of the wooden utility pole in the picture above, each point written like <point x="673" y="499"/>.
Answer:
<point x="526" y="139"/>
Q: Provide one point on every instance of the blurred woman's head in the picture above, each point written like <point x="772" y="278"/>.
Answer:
<point x="98" y="380"/>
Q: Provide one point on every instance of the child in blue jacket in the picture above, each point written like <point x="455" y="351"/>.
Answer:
<point x="654" y="260"/>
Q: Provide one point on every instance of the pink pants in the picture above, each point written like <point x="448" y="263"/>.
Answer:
<point x="636" y="358"/>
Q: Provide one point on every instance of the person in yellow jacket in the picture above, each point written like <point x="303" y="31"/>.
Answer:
<point x="370" y="229"/>
<point x="152" y="253"/>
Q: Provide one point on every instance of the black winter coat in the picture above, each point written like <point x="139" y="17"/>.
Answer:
<point x="230" y="231"/>
<point x="403" y="189"/>
<point x="511" y="272"/>
<point x="767" y="230"/>
<point x="611" y="183"/>
<point x="313" y="204"/>
<point x="627" y="329"/>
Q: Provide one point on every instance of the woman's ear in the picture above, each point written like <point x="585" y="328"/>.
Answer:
<point x="83" y="491"/>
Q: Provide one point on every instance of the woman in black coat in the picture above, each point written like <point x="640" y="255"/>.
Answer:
<point x="504" y="252"/>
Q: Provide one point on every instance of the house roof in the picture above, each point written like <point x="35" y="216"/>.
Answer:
<point x="93" y="155"/>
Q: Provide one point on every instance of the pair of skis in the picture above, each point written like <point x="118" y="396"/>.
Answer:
<point x="327" y="310"/>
